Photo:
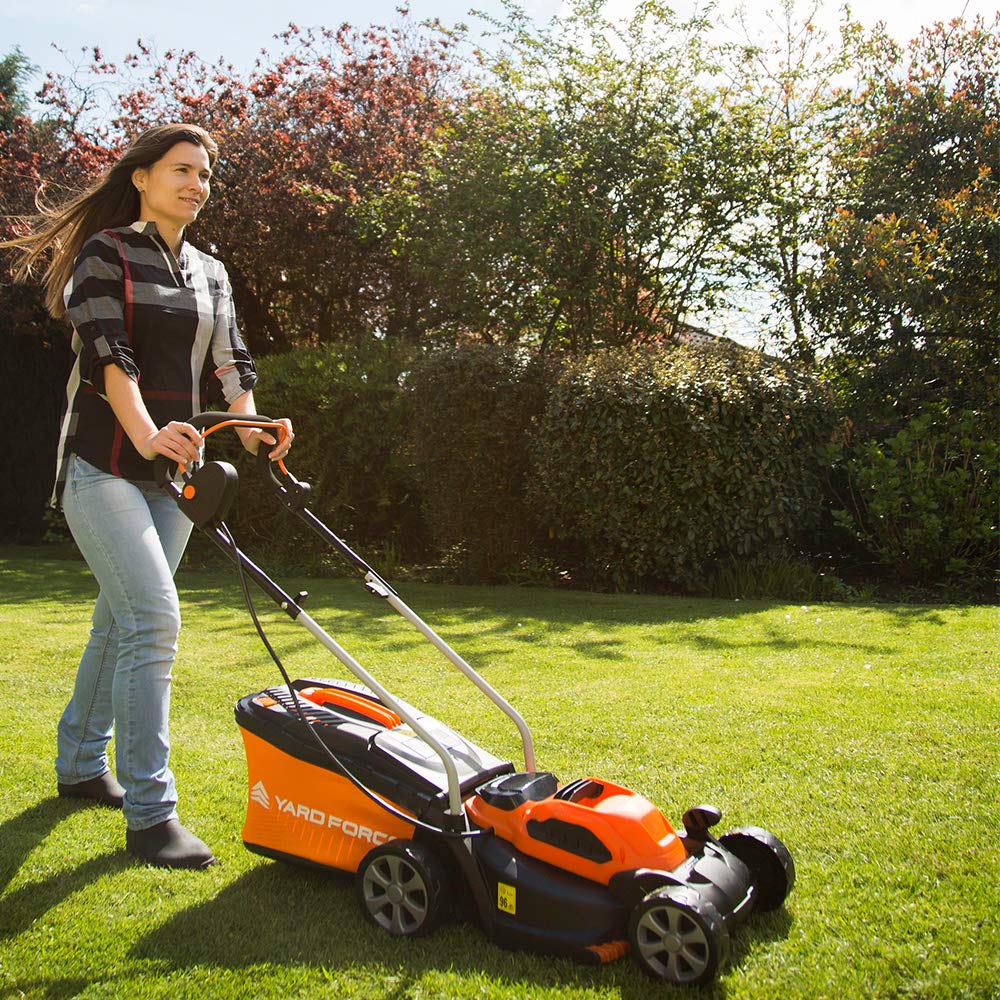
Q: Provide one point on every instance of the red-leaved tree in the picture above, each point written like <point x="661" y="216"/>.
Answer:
<point x="305" y="138"/>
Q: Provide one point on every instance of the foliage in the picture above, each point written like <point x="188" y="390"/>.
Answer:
<point x="346" y="408"/>
<point x="35" y="349"/>
<point x="32" y="393"/>
<point x="585" y="192"/>
<point x="789" y="577"/>
<point x="661" y="462"/>
<point x="790" y="81"/>
<point x="924" y="501"/>
<point x="30" y="151"/>
<point x="911" y="255"/>
<point x="15" y="71"/>
<point x="331" y="120"/>
<point x="471" y="416"/>
<point x="591" y="183"/>
<point x="580" y="185"/>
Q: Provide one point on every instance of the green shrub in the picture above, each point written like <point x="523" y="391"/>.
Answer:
<point x="32" y="394"/>
<point x="924" y="501"/>
<point x="345" y="406"/>
<point x="471" y="411"/>
<point x="789" y="578"/>
<point x="659" y="463"/>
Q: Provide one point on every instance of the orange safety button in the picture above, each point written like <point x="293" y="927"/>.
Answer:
<point x="189" y="491"/>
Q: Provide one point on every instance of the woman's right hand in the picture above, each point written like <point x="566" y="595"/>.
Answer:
<point x="178" y="441"/>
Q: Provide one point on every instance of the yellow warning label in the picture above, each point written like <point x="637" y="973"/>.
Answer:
<point x="506" y="898"/>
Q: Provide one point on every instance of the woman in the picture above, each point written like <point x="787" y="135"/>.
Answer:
<point x="154" y="329"/>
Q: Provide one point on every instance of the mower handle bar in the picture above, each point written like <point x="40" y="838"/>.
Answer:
<point x="212" y="420"/>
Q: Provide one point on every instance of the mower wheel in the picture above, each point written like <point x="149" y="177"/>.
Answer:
<point x="401" y="887"/>
<point x="769" y="861"/>
<point x="678" y="935"/>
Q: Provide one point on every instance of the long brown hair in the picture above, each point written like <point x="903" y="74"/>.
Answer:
<point x="113" y="201"/>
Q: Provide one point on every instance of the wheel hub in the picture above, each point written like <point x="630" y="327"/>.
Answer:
<point x="673" y="943"/>
<point x="395" y="894"/>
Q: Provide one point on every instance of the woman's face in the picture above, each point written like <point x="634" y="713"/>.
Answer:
<point x="173" y="190"/>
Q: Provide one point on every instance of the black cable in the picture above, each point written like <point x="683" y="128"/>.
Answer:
<point x="360" y="785"/>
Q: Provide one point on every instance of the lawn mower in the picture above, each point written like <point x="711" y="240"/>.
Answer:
<point x="345" y="775"/>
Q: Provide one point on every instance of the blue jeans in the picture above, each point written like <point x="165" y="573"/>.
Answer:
<point x="133" y="536"/>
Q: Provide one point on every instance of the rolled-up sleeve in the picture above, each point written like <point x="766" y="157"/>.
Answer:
<point x="234" y="368"/>
<point x="94" y="305"/>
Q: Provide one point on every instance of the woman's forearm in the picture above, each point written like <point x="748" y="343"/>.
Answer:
<point x="178" y="441"/>
<point x="248" y="435"/>
<point x="251" y="437"/>
<point x="129" y="408"/>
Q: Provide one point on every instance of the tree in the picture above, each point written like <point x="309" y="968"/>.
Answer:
<point x="15" y="71"/>
<point x="335" y="118"/>
<point x="19" y="151"/>
<point x="793" y="83"/>
<point x="304" y="137"/>
<point x="908" y="295"/>
<point x="588" y="190"/>
<point x="36" y="352"/>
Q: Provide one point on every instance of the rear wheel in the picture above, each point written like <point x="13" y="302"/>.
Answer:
<point x="401" y="887"/>
<point x="769" y="861"/>
<point x="678" y="935"/>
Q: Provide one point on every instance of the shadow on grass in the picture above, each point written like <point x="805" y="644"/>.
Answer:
<point x="281" y="915"/>
<point x="20" y="835"/>
<point x="33" y="576"/>
<point x="18" y="838"/>
<point x="524" y="614"/>
<point x="51" y="989"/>
<point x="774" y="641"/>
<point x="23" y="907"/>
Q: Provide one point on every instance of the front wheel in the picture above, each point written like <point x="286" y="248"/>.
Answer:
<point x="401" y="887"/>
<point x="769" y="861"/>
<point x="678" y="935"/>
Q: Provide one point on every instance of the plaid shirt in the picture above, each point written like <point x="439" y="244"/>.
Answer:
<point x="168" y="323"/>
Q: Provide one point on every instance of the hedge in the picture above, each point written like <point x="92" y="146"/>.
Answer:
<point x="471" y="413"/>
<point x="660" y="463"/>
<point x="629" y="468"/>
<point x="347" y="409"/>
<point x="923" y="502"/>
<point x="32" y="392"/>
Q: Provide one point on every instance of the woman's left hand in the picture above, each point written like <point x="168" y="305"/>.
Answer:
<point x="256" y="438"/>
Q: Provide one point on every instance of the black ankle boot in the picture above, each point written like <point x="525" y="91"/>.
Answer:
<point x="103" y="790"/>
<point x="168" y="845"/>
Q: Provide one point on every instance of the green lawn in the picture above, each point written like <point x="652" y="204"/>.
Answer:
<point x="866" y="737"/>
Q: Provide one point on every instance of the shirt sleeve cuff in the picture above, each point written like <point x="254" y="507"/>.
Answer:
<point x="96" y="377"/>
<point x="235" y="382"/>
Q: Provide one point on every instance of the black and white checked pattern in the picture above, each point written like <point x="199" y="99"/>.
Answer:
<point x="168" y="323"/>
